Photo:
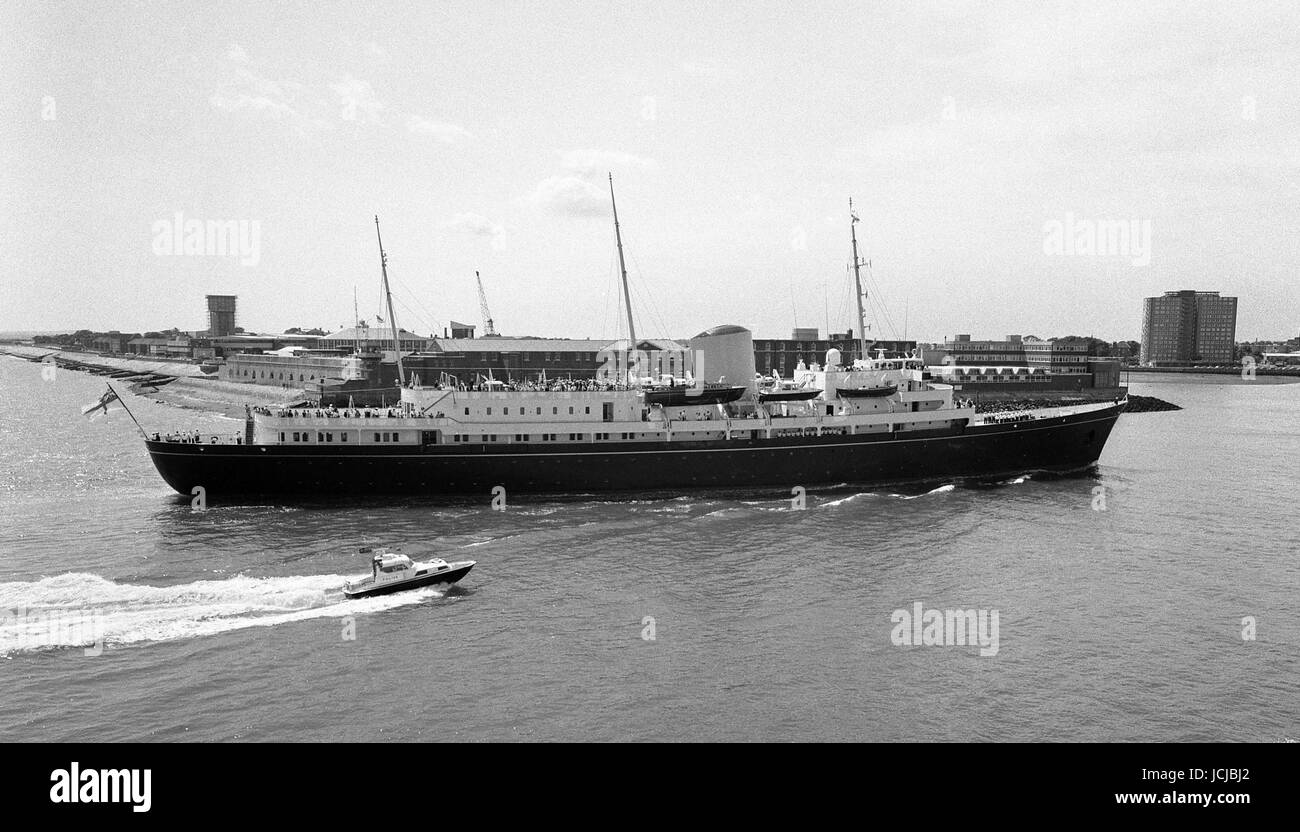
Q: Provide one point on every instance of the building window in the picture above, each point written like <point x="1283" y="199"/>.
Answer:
<point x="376" y="437"/>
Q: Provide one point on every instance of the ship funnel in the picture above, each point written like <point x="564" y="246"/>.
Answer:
<point x="727" y="353"/>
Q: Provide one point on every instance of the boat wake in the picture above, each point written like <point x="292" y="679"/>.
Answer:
<point x="80" y="609"/>
<point x="943" y="489"/>
<point x="841" y="501"/>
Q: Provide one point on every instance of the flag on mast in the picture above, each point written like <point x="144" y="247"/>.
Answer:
<point x="104" y="401"/>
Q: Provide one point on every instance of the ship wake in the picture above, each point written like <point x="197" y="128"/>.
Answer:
<point x="79" y="610"/>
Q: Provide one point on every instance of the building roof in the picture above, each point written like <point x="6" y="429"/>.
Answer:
<point x="515" y="345"/>
<point x="371" y="333"/>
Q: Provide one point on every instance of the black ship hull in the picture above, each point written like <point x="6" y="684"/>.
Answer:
<point x="1061" y="443"/>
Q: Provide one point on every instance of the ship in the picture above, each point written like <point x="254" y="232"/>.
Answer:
<point x="875" y="420"/>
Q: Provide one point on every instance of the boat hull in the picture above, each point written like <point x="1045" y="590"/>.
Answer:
<point x="1060" y="443"/>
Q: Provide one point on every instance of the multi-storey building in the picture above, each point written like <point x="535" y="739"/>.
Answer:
<point x="805" y="345"/>
<point x="1189" y="327"/>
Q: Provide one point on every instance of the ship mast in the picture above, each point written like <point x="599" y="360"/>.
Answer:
<point x="622" y="266"/>
<point x="388" y="293"/>
<point x="857" y="282"/>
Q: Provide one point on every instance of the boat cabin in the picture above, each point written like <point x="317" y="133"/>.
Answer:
<point x="390" y="562"/>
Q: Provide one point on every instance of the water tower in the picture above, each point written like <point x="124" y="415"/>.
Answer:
<point x="221" y="315"/>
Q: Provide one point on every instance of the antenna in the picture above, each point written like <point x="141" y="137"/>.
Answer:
<point x="392" y="319"/>
<point x="857" y="281"/>
<point x="622" y="266"/>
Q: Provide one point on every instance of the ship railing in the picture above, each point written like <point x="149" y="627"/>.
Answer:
<point x="195" y="438"/>
<point x="343" y="413"/>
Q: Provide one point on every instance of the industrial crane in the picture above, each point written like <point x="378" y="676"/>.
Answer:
<point x="488" y="328"/>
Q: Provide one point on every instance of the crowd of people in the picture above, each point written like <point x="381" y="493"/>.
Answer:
<point x="194" y="438"/>
<point x="559" y="385"/>
<point x="1002" y="418"/>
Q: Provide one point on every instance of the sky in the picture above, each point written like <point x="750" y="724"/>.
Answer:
<point x="984" y="146"/>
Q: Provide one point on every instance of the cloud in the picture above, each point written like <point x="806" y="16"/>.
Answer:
<point x="592" y="162"/>
<point x="235" y="101"/>
<point x="581" y="190"/>
<point x="358" y="101"/>
<point x="479" y="226"/>
<point x="475" y="224"/>
<point x="442" y="131"/>
<point x="570" y="195"/>
<point x="244" y="90"/>
<point x="317" y="105"/>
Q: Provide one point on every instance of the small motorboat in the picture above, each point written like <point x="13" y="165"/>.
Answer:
<point x="787" y="394"/>
<point x="395" y="572"/>
<point x="867" y="392"/>
<point x="682" y="396"/>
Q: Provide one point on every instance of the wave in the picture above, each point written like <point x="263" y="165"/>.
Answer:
<point x="943" y="489"/>
<point x="78" y="609"/>
<point x="844" y="500"/>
